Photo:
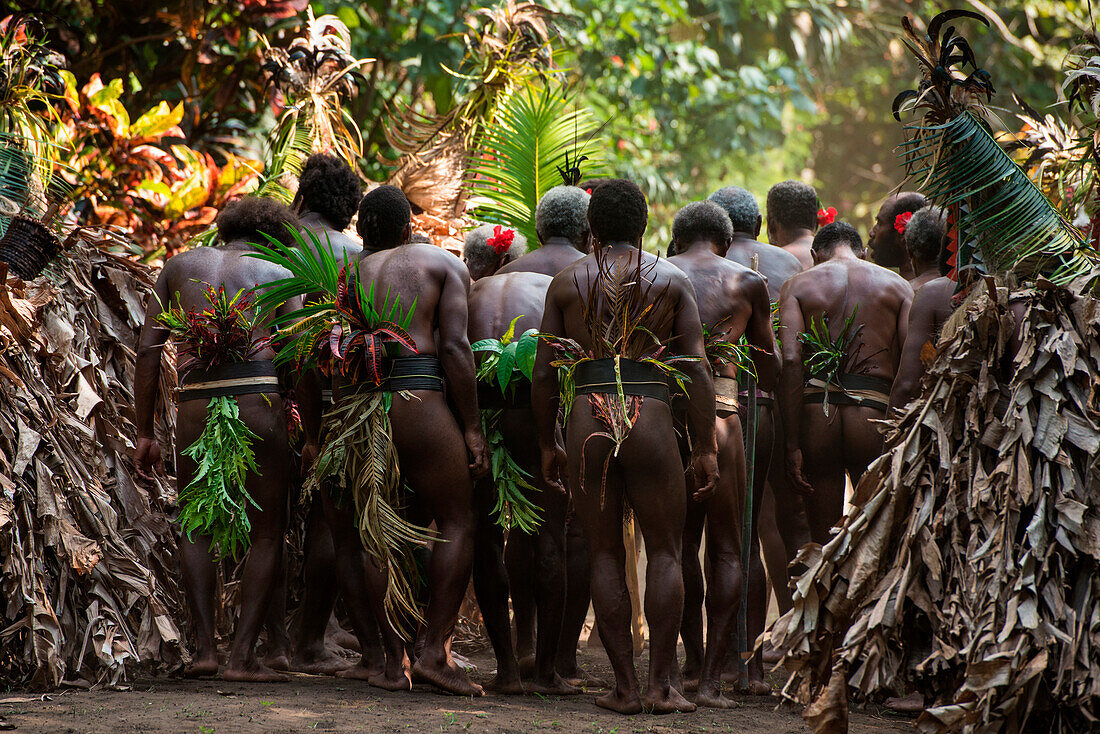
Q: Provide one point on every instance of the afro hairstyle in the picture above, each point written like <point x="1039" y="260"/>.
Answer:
<point x="330" y="188"/>
<point x="793" y="204"/>
<point x="617" y="211"/>
<point x="384" y="213"/>
<point x="701" y="220"/>
<point x="829" y="237"/>
<point x="251" y="217"/>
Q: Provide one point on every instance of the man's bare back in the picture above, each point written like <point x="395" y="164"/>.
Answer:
<point x="495" y="301"/>
<point x="931" y="308"/>
<point x="820" y="448"/>
<point x="774" y="263"/>
<point x="339" y="242"/>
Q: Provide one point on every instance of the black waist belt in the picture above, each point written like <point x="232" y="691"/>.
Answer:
<point x="638" y="378"/>
<point x="416" y="372"/>
<point x="862" y="390"/>
<point x="241" y="378"/>
<point x="489" y="397"/>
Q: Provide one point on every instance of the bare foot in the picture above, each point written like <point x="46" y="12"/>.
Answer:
<point x="711" y="697"/>
<point x="527" y="666"/>
<point x="325" y="663"/>
<point x="202" y="667"/>
<point x="690" y="684"/>
<point x="911" y="704"/>
<point x="757" y="688"/>
<point x="505" y="685"/>
<point x="557" y="686"/>
<point x="255" y="673"/>
<point x="345" y="639"/>
<point x="448" y="678"/>
<point x="771" y="655"/>
<point x="360" y="671"/>
<point x="622" y="703"/>
<point x="670" y="702"/>
<point x="278" y="661"/>
<point x="392" y="682"/>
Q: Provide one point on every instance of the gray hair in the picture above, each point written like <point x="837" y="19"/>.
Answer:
<point x="479" y="255"/>
<point x="701" y="220"/>
<point x="563" y="212"/>
<point x="740" y="205"/>
<point x="924" y="233"/>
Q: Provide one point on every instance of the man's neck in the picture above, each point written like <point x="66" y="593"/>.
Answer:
<point x="793" y="236"/>
<point x="309" y="217"/>
<point x="746" y="237"/>
<point x="699" y="248"/>
<point x="843" y="252"/>
<point x="558" y="242"/>
<point x="617" y="245"/>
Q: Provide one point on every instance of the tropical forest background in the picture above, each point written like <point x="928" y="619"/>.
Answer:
<point x="684" y="95"/>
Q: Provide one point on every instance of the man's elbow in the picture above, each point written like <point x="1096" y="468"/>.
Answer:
<point x="453" y="350"/>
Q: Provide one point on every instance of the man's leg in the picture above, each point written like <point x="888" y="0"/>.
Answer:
<point x="756" y="609"/>
<point x="491" y="589"/>
<point x="823" y="466"/>
<point x="319" y="590"/>
<point x="196" y="562"/>
<point x="863" y="442"/>
<point x="653" y="477"/>
<point x="577" y="597"/>
<point x="519" y="557"/>
<point x="597" y="498"/>
<point x="550" y="585"/>
<point x="691" y="624"/>
<point x="265" y="555"/>
<point x="434" y="464"/>
<point x="723" y="564"/>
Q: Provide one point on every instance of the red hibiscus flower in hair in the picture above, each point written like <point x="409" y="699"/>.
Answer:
<point x="501" y="240"/>
<point x="901" y="221"/>
<point x="826" y="216"/>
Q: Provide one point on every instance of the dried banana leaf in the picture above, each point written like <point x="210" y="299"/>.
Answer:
<point x="968" y="568"/>
<point x="88" y="573"/>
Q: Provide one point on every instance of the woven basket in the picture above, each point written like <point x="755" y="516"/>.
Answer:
<point x="28" y="246"/>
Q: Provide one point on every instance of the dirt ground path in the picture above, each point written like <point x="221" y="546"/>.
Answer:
<point x="309" y="704"/>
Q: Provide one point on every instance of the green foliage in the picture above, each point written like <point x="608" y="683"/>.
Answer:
<point x="516" y="160"/>
<point x="827" y="357"/>
<point x="721" y="352"/>
<point x="513" y="508"/>
<point x="224" y="332"/>
<point x="215" y="501"/>
<point x="342" y="328"/>
<point x="507" y="360"/>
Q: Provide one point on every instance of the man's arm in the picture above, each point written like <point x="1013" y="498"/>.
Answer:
<point x="918" y="331"/>
<point x="687" y="334"/>
<point x="765" y="357"/>
<point x="791" y="325"/>
<point x="544" y="395"/>
<point x="458" y="362"/>
<point x="147" y="375"/>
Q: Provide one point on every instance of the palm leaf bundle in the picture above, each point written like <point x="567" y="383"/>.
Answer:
<point x="721" y="352"/>
<point x="967" y="568"/>
<point x="346" y="332"/>
<point x="508" y="363"/>
<point x="1004" y="222"/>
<point x="622" y="313"/>
<point x="826" y="357"/>
<point x="215" y="501"/>
<point x="535" y="137"/>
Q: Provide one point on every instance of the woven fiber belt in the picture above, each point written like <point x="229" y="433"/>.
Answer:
<point x="638" y="378"/>
<point x="241" y="378"/>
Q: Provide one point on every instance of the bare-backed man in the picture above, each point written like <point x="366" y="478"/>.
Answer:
<point x="494" y="303"/>
<point x="733" y="301"/>
<point x="779" y="525"/>
<point x="887" y="238"/>
<point x="439" y="452"/>
<point x="562" y="239"/>
<point x="644" y="469"/>
<point x="930" y="310"/>
<point x="328" y="197"/>
<point x="255" y="385"/>
<point x="561" y="221"/>
<point x="822" y="448"/>
<point x="792" y="219"/>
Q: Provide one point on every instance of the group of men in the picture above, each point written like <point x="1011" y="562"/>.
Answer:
<point x="679" y="466"/>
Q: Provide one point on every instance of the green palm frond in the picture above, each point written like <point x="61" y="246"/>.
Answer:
<point x="513" y="508"/>
<point x="1004" y="221"/>
<point x="515" y="161"/>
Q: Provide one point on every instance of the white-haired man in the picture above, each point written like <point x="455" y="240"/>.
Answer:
<point x="490" y="247"/>
<point x="561" y="221"/>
